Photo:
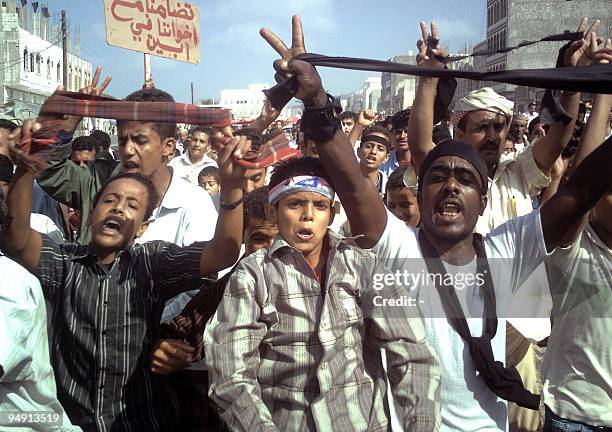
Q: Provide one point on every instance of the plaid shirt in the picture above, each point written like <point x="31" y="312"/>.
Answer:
<point x="285" y="353"/>
<point x="106" y="320"/>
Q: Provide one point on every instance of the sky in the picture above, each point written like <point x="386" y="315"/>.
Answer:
<point x="233" y="54"/>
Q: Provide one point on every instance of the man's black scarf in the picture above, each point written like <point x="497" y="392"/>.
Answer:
<point x="503" y="381"/>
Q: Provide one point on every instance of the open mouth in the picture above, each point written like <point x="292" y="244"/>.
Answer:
<point x="449" y="210"/>
<point x="111" y="226"/>
<point x="371" y="159"/>
<point x="305" y="234"/>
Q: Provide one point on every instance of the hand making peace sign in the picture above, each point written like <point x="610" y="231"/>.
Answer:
<point x="310" y="89"/>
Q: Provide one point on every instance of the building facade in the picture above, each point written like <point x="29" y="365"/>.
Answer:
<point x="509" y="22"/>
<point x="32" y="57"/>
<point x="367" y="97"/>
<point x="246" y="103"/>
<point x="397" y="90"/>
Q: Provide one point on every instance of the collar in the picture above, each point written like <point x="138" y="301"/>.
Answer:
<point x="187" y="161"/>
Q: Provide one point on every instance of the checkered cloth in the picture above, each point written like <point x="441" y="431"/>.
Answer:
<point x="273" y="151"/>
<point x="56" y="131"/>
<point x="83" y="105"/>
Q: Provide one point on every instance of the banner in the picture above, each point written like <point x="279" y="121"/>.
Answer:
<point x="159" y="27"/>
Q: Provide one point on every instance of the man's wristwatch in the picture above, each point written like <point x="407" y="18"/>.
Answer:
<point x="320" y="123"/>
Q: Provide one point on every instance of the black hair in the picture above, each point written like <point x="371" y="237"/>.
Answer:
<point x="348" y="114"/>
<point x="102" y="138"/>
<point x="400" y="119"/>
<point x="3" y="210"/>
<point x="396" y="179"/>
<point x="211" y="171"/>
<point x="255" y="204"/>
<point x="165" y="130"/>
<point x="7" y="124"/>
<point x="85" y="143"/>
<point x="440" y="133"/>
<point x="375" y="128"/>
<point x="297" y="167"/>
<point x="532" y="125"/>
<point x="152" y="192"/>
<point x="202" y="129"/>
<point x="257" y="139"/>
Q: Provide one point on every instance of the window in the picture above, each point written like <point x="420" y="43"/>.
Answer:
<point x="25" y="59"/>
<point x="38" y="61"/>
<point x="48" y="68"/>
<point x="59" y="77"/>
<point x="31" y="62"/>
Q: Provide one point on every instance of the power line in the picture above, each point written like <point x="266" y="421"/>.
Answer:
<point x="110" y="68"/>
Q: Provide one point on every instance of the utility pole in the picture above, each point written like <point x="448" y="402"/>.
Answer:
<point x="65" y="51"/>
<point x="191" y="93"/>
<point x="148" y="76"/>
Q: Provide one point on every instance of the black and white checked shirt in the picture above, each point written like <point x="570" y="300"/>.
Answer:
<point x="105" y="322"/>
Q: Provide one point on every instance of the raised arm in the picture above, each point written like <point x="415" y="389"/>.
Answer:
<point x="62" y="179"/>
<point x="364" y="208"/>
<point x="592" y="137"/>
<point x="580" y="53"/>
<point x="266" y="118"/>
<point x="17" y="238"/>
<point x="589" y="182"/>
<point x="420" y="123"/>
<point x="366" y="118"/>
<point x="222" y="251"/>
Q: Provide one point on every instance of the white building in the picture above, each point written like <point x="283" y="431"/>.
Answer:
<point x="246" y="103"/>
<point x="366" y="97"/>
<point x="32" y="57"/>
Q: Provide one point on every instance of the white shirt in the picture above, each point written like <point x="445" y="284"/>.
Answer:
<point x="185" y="169"/>
<point x="44" y="225"/>
<point x="28" y="383"/>
<point x="513" y="250"/>
<point x="517" y="180"/>
<point x="577" y="369"/>
<point x="186" y="215"/>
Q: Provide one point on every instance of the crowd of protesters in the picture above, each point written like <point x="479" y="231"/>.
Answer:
<point x="163" y="285"/>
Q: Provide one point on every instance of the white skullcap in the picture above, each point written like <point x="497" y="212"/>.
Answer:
<point x="485" y="99"/>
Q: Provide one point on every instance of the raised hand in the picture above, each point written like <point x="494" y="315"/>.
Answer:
<point x="310" y="89"/>
<point x="20" y="141"/>
<point x="430" y="52"/>
<point x="232" y="174"/>
<point x="582" y="52"/>
<point x="93" y="87"/>
<point x="56" y="122"/>
<point x="366" y="118"/>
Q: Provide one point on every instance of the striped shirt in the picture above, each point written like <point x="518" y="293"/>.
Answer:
<point x="285" y="353"/>
<point x="106" y="320"/>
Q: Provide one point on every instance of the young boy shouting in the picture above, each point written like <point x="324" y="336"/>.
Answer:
<point x="294" y="344"/>
<point x="108" y="297"/>
<point x="373" y="152"/>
